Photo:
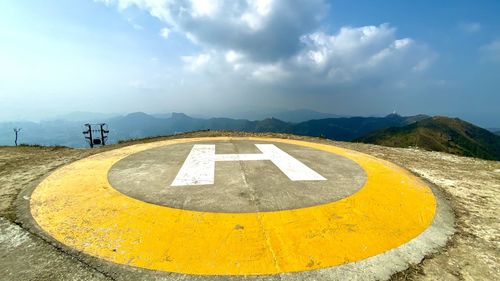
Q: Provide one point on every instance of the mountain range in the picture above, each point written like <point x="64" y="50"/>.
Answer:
<point x="433" y="133"/>
<point x="138" y="125"/>
<point x="68" y="132"/>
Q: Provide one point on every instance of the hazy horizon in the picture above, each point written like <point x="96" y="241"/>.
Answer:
<point x="83" y="116"/>
<point x="224" y="58"/>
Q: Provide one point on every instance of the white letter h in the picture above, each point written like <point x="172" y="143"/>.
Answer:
<point x="199" y="166"/>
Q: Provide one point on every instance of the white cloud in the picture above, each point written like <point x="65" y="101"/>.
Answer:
<point x="277" y="41"/>
<point x="353" y="54"/>
<point x="358" y="52"/>
<point x="196" y="62"/>
<point x="402" y="43"/>
<point x="204" y="8"/>
<point x="257" y="14"/>
<point x="269" y="73"/>
<point x="470" y="27"/>
<point x="232" y="56"/>
<point x="491" y="51"/>
<point x="264" y="30"/>
<point x="165" y="32"/>
<point x="422" y="65"/>
<point x="135" y="25"/>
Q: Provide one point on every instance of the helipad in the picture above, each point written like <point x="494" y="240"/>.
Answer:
<point x="234" y="206"/>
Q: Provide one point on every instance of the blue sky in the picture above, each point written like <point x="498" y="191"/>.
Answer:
<point x="224" y="57"/>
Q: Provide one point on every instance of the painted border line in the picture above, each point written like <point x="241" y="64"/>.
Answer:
<point x="77" y="206"/>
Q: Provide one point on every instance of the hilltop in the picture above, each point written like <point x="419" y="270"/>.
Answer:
<point x="471" y="185"/>
<point x="439" y="133"/>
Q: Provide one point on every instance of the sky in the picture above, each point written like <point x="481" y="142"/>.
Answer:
<point x="225" y="57"/>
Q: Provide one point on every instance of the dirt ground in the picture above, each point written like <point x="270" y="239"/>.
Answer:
<point x="471" y="185"/>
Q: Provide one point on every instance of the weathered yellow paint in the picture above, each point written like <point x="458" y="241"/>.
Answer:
<point x="78" y="207"/>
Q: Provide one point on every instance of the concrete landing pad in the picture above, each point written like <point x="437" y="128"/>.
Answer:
<point x="211" y="207"/>
<point x="239" y="186"/>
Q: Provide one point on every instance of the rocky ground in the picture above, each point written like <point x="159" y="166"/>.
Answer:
<point x="471" y="185"/>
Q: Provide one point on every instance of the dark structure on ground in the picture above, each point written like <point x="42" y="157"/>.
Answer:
<point x="16" y="131"/>
<point x="96" y="134"/>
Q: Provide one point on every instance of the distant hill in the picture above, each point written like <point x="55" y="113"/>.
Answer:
<point x="439" y="133"/>
<point x="292" y="116"/>
<point x="333" y="128"/>
<point x="301" y="115"/>
<point x="67" y="133"/>
<point x="140" y="125"/>
<point x="347" y="129"/>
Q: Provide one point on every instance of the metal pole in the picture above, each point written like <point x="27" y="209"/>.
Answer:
<point x="16" y="131"/>
<point x="90" y="135"/>
<point x="102" y="135"/>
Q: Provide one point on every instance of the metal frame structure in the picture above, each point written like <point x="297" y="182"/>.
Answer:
<point x="101" y="131"/>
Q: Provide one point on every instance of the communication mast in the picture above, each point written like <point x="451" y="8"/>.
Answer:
<point x="96" y="134"/>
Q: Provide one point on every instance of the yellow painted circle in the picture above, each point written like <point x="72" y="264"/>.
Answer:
<point x="77" y="206"/>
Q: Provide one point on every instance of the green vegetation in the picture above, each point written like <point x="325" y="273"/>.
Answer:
<point x="450" y="135"/>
